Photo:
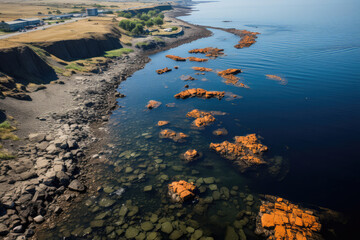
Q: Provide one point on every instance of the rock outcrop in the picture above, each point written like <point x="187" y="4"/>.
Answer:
<point x="202" y="69"/>
<point x="247" y="39"/>
<point x="191" y="155"/>
<point x="181" y="191"/>
<point x="202" y="118"/>
<point x="153" y="104"/>
<point x="170" y="134"/>
<point x="176" y="58"/>
<point x="209" y="51"/>
<point x="246" y="152"/>
<point x="230" y="78"/>
<point x="201" y="93"/>
<point x="195" y="59"/>
<point x="164" y="70"/>
<point x="280" y="219"/>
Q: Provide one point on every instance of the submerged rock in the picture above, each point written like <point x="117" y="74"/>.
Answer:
<point x="181" y="191"/>
<point x="164" y="70"/>
<point x="76" y="185"/>
<point x="280" y="219"/>
<point x="220" y="132"/>
<point x="177" y="137"/>
<point x="245" y="152"/>
<point x="153" y="104"/>
<point x="198" y="92"/>
<point x="176" y="58"/>
<point x="166" y="227"/>
<point x="202" y="69"/>
<point x="202" y="118"/>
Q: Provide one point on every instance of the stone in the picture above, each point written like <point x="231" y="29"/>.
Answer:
<point x="209" y="180"/>
<point x="209" y="51"/>
<point x="176" y="234"/>
<point x="77" y="186"/>
<point x="197" y="234"/>
<point x="154" y="218"/>
<point x="191" y="155"/>
<point x="213" y="187"/>
<point x="201" y="118"/>
<point x="166" y="227"/>
<point x="202" y="69"/>
<point x="131" y="232"/>
<point x="216" y="195"/>
<point x="181" y="191"/>
<point x="147" y="226"/>
<point x="129" y="170"/>
<point x="190" y="229"/>
<point x="106" y="202"/>
<point x="39" y="219"/>
<point x="97" y="223"/>
<point x="231" y="234"/>
<point x="153" y="104"/>
<point x="3" y="229"/>
<point x="148" y="188"/>
<point x="37" y="137"/>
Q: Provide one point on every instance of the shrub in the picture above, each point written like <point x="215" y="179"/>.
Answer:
<point x="139" y="29"/>
<point x="158" y="21"/>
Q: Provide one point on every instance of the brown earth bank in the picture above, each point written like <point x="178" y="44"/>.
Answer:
<point x="62" y="131"/>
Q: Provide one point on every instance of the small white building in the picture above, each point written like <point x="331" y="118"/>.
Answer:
<point x="168" y="30"/>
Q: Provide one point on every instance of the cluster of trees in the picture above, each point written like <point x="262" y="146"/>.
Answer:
<point x="136" y="26"/>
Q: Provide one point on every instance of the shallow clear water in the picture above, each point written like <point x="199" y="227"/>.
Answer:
<point x="309" y="123"/>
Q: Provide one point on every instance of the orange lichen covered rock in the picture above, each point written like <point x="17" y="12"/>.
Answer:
<point x="191" y="155"/>
<point x="176" y="58"/>
<point x="247" y="39"/>
<point x="162" y="123"/>
<point x="153" y="104"/>
<point x="187" y="78"/>
<point x="202" y="69"/>
<point x="170" y="134"/>
<point x="195" y="59"/>
<point x="202" y="118"/>
<point x="164" y="70"/>
<point x="209" y="51"/>
<point x="230" y="71"/>
<point x="198" y="92"/>
<point x="181" y="191"/>
<point x="280" y="219"/>
<point x="245" y="152"/>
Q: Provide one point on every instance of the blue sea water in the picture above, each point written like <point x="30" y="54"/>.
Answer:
<point x="309" y="121"/>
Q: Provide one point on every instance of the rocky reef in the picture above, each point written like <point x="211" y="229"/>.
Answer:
<point x="176" y="58"/>
<point x="181" y="191"/>
<point x="198" y="92"/>
<point x="201" y="118"/>
<point x="280" y="219"/>
<point x="209" y="51"/>
<point x="170" y="134"/>
<point x="153" y="104"/>
<point x="246" y="152"/>
<point x="202" y="69"/>
<point x="164" y="70"/>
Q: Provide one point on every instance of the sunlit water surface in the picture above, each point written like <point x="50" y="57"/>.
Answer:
<point x="309" y="122"/>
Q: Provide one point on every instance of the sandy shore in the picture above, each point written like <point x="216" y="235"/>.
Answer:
<point x="62" y="131"/>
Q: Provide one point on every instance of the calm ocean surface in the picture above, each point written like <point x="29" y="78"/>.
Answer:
<point x="310" y="123"/>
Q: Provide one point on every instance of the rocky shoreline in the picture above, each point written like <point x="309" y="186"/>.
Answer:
<point x="53" y="164"/>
